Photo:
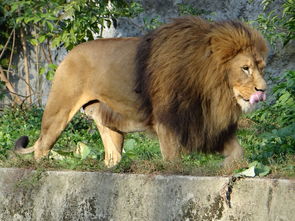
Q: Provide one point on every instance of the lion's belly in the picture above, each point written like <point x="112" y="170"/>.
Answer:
<point x="117" y="116"/>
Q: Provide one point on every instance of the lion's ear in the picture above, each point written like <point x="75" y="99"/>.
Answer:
<point x="215" y="48"/>
<point x="218" y="44"/>
<point x="221" y="48"/>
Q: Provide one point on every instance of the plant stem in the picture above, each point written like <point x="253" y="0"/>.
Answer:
<point x="10" y="88"/>
<point x="11" y="54"/>
<point x="26" y="65"/>
<point x="6" y="44"/>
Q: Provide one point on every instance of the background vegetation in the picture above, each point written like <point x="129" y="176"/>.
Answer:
<point x="268" y="134"/>
<point x="48" y="25"/>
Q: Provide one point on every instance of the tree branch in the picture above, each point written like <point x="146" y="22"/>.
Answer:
<point x="26" y="65"/>
<point x="6" y="44"/>
<point x="11" y="54"/>
<point x="9" y="87"/>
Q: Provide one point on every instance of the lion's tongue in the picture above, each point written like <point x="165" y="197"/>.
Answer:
<point x="257" y="96"/>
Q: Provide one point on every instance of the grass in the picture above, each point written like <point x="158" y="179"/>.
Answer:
<point x="251" y="137"/>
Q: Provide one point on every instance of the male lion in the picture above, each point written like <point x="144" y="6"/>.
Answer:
<point x="187" y="81"/>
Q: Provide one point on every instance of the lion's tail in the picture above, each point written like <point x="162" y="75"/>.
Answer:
<point x="21" y="144"/>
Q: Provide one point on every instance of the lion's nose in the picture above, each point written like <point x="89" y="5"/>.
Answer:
<point x="260" y="84"/>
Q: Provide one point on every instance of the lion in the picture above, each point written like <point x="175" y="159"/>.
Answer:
<point x="187" y="82"/>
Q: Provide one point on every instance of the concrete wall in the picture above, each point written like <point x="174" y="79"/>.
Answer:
<point x="34" y="195"/>
<point x="162" y="10"/>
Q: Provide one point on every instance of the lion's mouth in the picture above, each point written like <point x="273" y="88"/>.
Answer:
<point x="256" y="97"/>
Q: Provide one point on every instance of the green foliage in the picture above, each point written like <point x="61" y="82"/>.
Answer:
<point x="17" y="122"/>
<point x="187" y="9"/>
<point x="273" y="139"/>
<point x="276" y="26"/>
<point x="152" y="23"/>
<point x="48" y="70"/>
<point x="57" y="23"/>
<point x="66" y="22"/>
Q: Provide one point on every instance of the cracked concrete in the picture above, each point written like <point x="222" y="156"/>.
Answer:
<point x="58" y="195"/>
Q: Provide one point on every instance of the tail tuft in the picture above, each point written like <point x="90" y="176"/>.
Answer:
<point x="21" y="142"/>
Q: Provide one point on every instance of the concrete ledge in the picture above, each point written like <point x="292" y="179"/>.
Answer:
<point x="32" y="195"/>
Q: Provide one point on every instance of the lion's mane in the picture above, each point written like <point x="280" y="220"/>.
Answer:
<point x="182" y="79"/>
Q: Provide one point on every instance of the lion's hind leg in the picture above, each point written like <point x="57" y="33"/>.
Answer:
<point x="112" y="140"/>
<point x="59" y="110"/>
<point x="53" y="123"/>
<point x="57" y="115"/>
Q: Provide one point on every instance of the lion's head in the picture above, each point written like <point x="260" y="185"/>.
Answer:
<point x="196" y="78"/>
<point x="243" y="50"/>
<point x="246" y="79"/>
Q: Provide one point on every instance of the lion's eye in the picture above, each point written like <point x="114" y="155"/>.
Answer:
<point x="246" y="69"/>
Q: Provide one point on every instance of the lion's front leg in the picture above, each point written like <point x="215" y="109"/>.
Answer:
<point x="232" y="151"/>
<point x="169" y="146"/>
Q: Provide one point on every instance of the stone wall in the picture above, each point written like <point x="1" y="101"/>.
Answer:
<point x="27" y="195"/>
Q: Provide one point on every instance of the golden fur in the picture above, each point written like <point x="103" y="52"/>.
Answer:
<point x="185" y="81"/>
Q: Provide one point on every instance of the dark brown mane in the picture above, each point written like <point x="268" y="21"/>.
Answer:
<point x="181" y="78"/>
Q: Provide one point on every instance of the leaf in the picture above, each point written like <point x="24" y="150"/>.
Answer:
<point x="29" y="19"/>
<point x="82" y="151"/>
<point x="262" y="170"/>
<point x="56" y="156"/>
<point x="37" y="19"/>
<point x="19" y="20"/>
<point x="14" y="7"/>
<point x="129" y="144"/>
<point x="50" y="75"/>
<point x="34" y="42"/>
<point x="255" y="169"/>
<point x="42" y="70"/>
<point x="50" y="26"/>
<point x="42" y="38"/>
<point x="250" y="172"/>
<point x="56" y="42"/>
<point x="52" y="66"/>
<point x="284" y="97"/>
